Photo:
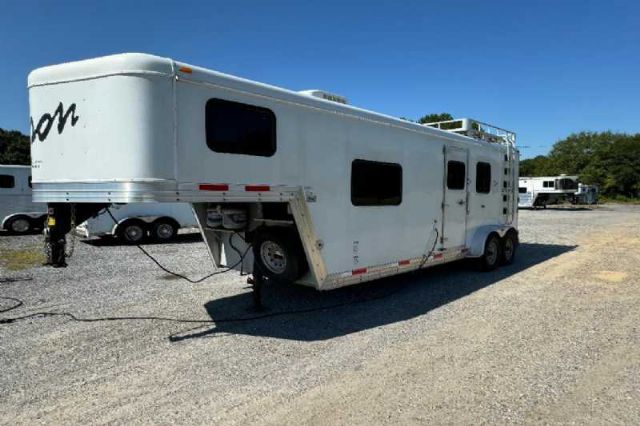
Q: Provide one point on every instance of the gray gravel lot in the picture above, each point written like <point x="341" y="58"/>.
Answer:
<point x="553" y="338"/>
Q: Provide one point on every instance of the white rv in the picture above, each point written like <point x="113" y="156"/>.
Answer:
<point x="534" y="192"/>
<point x="325" y="194"/>
<point x="18" y="214"/>
<point x="135" y="222"/>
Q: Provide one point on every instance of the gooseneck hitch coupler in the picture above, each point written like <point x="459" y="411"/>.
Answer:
<point x="61" y="218"/>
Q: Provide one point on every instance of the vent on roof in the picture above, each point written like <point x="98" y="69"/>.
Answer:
<point x="325" y="95"/>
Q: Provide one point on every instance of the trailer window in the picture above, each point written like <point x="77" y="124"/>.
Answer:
<point x="548" y="184"/>
<point x="7" y="181"/>
<point x="375" y="184"/>
<point x="483" y="178"/>
<point x="522" y="190"/>
<point x="456" y="175"/>
<point x="237" y="128"/>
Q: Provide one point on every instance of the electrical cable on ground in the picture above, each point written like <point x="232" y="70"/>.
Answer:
<point x="186" y="320"/>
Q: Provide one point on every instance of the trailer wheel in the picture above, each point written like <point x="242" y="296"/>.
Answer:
<point x="164" y="229"/>
<point x="509" y="246"/>
<point x="19" y="225"/>
<point x="132" y="231"/>
<point x="492" y="253"/>
<point x="279" y="255"/>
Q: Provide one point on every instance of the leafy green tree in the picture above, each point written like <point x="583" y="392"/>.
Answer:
<point x="609" y="160"/>
<point x="537" y="166"/>
<point x="14" y="147"/>
<point x="432" y="118"/>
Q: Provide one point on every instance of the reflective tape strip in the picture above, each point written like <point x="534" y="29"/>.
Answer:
<point x="438" y="256"/>
<point x="213" y="187"/>
<point x="257" y="188"/>
<point x="404" y="262"/>
<point x="359" y="271"/>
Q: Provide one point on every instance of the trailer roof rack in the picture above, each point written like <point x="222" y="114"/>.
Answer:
<point x="477" y="130"/>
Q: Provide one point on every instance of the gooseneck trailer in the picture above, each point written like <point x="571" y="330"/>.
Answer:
<point x="541" y="191"/>
<point x="325" y="194"/>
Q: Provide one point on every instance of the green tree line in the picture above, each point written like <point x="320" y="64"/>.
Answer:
<point x="609" y="160"/>
<point x="14" y="147"/>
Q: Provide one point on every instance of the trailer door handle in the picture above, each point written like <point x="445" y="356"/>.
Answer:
<point x="461" y="202"/>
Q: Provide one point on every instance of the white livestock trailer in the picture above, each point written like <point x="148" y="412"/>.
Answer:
<point x="18" y="213"/>
<point x="543" y="190"/>
<point x="325" y="194"/>
<point x="133" y="223"/>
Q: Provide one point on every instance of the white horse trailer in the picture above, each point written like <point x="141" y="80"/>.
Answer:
<point x="18" y="214"/>
<point x="326" y="194"/>
<point x="134" y="223"/>
<point x="534" y="192"/>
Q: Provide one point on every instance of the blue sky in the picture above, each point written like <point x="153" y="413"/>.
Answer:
<point x="541" y="68"/>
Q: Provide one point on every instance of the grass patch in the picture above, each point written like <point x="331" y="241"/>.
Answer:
<point x="618" y="199"/>
<point x="17" y="260"/>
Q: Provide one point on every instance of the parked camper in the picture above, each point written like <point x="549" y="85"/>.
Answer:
<point x="18" y="214"/>
<point x="135" y="222"/>
<point x="324" y="193"/>
<point x="541" y="191"/>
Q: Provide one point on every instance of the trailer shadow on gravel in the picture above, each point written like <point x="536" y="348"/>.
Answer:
<point x="304" y="314"/>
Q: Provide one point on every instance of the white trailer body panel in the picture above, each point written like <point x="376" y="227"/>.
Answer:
<point x="143" y="119"/>
<point x="542" y="190"/>
<point x="15" y="194"/>
<point x="103" y="224"/>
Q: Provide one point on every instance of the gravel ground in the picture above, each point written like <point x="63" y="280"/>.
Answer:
<point x="553" y="338"/>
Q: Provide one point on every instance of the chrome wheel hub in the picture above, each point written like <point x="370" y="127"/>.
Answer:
<point x="273" y="257"/>
<point x="492" y="252"/>
<point x="134" y="233"/>
<point x="164" y="231"/>
<point x="20" y="225"/>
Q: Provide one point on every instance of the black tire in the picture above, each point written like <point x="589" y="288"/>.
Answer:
<point x="19" y="225"/>
<point x="492" y="253"/>
<point x="164" y="230"/>
<point x="509" y="245"/>
<point x="132" y="231"/>
<point x="278" y="254"/>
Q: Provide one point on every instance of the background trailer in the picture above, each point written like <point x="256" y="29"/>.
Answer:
<point x="18" y="213"/>
<point x="326" y="194"/>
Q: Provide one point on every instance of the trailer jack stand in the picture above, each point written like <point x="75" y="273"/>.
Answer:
<point x="257" y="282"/>
<point x="58" y="219"/>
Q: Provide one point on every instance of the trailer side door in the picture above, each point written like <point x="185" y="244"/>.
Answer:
<point x="455" y="198"/>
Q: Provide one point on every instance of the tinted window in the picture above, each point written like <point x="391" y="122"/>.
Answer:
<point x="375" y="184"/>
<point x="7" y="181"/>
<point x="522" y="190"/>
<point x="566" y="183"/>
<point x="237" y="128"/>
<point x="548" y="184"/>
<point x="456" y="175"/>
<point x="483" y="178"/>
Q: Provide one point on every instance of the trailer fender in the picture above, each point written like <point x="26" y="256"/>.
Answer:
<point x="32" y="216"/>
<point x="478" y="238"/>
